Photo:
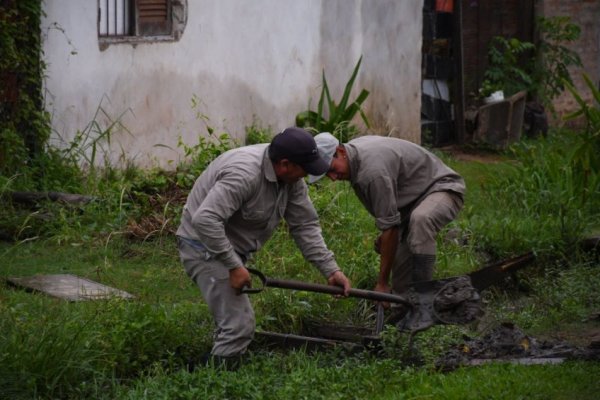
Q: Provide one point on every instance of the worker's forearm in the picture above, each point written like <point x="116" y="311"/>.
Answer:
<point x="388" y="245"/>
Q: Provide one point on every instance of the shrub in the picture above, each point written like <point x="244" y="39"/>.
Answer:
<point x="335" y="118"/>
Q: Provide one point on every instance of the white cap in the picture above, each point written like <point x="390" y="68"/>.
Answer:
<point x="326" y="144"/>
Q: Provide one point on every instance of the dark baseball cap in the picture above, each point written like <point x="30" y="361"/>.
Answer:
<point x="298" y="146"/>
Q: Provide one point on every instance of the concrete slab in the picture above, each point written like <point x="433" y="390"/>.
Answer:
<point x="67" y="286"/>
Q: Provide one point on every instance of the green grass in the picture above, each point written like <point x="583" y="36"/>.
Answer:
<point x="151" y="272"/>
<point x="136" y="349"/>
<point x="297" y="376"/>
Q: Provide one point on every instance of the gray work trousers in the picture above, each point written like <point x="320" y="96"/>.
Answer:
<point x="419" y="236"/>
<point x="232" y="313"/>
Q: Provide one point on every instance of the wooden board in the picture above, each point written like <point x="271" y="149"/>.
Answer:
<point x="67" y="286"/>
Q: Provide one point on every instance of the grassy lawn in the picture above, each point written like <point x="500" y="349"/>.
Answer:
<point x="136" y="349"/>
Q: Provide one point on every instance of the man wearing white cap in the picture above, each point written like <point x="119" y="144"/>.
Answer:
<point x="233" y="209"/>
<point x="409" y="191"/>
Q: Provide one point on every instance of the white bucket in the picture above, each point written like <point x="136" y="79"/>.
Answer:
<point x="498" y="95"/>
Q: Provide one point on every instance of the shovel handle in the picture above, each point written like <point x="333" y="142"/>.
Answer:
<point x="252" y="290"/>
<point x="319" y="288"/>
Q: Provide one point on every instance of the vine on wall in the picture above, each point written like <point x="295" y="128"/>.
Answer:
<point x="24" y="125"/>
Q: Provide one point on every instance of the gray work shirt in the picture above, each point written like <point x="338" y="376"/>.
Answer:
<point x="237" y="203"/>
<point x="390" y="176"/>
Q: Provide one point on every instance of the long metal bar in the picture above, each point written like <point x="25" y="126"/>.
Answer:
<point x="336" y="290"/>
<point x="481" y="279"/>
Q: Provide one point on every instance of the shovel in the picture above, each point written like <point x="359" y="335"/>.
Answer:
<point x="453" y="300"/>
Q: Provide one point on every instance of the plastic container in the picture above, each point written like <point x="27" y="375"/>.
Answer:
<point x="498" y="95"/>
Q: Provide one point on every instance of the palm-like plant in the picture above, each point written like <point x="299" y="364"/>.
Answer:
<point x="332" y="117"/>
<point x="586" y="155"/>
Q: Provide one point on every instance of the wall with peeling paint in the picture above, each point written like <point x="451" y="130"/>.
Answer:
<point x="242" y="60"/>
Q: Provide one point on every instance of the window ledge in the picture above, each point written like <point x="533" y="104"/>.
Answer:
<point x="104" y="42"/>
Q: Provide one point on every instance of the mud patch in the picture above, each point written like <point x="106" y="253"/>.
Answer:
<point x="508" y="343"/>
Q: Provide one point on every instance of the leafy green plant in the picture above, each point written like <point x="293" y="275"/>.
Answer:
<point x="24" y="125"/>
<point x="504" y="70"/>
<point x="255" y="133"/>
<point x="554" y="58"/>
<point x="332" y="117"/>
<point x="199" y="155"/>
<point x="488" y="87"/>
<point x="585" y="156"/>
<point x="543" y="75"/>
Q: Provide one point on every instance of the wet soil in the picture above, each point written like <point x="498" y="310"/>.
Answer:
<point x="508" y="343"/>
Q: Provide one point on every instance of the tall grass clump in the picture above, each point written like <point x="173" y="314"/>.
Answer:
<point x="56" y="349"/>
<point x="541" y="202"/>
<point x="559" y="298"/>
<point x="125" y="199"/>
<point x="585" y="155"/>
<point x="79" y="166"/>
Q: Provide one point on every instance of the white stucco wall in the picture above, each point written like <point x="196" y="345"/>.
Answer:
<point x="241" y="59"/>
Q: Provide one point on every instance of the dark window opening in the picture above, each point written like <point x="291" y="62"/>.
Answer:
<point x="127" y="20"/>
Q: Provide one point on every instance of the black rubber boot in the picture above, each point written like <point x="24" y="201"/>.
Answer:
<point x="396" y="314"/>
<point x="422" y="267"/>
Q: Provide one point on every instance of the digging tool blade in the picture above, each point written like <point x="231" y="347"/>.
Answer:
<point x="455" y="300"/>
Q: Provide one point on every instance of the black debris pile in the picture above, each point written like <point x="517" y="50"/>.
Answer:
<point x="507" y="343"/>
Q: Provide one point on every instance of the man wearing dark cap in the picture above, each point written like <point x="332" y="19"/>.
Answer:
<point x="233" y="209"/>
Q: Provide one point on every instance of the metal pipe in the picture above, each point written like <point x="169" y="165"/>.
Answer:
<point x="336" y="290"/>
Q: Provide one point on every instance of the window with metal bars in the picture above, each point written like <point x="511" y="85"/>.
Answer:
<point x="127" y="19"/>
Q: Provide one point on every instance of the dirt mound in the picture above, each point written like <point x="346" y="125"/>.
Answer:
<point x="508" y="343"/>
